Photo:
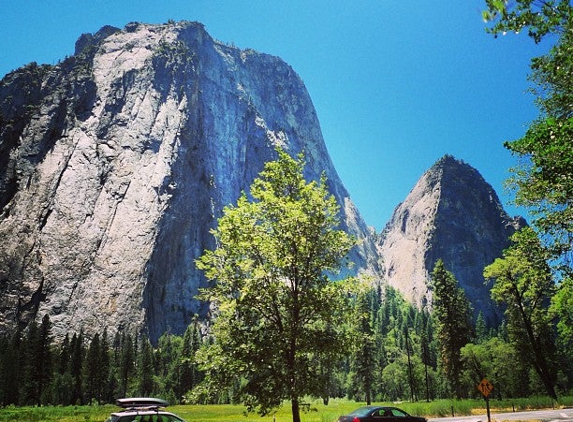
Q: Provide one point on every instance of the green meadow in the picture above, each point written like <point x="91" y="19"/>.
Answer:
<point x="317" y="411"/>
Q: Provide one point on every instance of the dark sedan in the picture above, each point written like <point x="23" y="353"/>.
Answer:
<point x="380" y="414"/>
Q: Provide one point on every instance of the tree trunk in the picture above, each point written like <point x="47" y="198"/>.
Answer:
<point x="539" y="360"/>
<point x="295" y="410"/>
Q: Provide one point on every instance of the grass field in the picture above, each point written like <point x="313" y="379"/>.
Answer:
<point x="317" y="413"/>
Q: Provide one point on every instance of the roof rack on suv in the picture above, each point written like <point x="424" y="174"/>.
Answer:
<point x="141" y="402"/>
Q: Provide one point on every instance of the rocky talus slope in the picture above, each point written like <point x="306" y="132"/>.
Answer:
<point x="452" y="214"/>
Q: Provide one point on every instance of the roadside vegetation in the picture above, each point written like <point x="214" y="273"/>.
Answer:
<point x="317" y="412"/>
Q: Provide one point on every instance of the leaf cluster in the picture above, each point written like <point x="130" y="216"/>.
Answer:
<point x="540" y="17"/>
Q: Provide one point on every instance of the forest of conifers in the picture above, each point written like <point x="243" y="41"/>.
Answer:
<point x="397" y="357"/>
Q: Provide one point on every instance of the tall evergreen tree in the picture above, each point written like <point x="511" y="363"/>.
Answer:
<point x="76" y="367"/>
<point x="62" y="384"/>
<point x="126" y="364"/>
<point x="10" y="370"/>
<point x="453" y="316"/>
<point x="106" y="391"/>
<point x="364" y="352"/>
<point x="38" y="362"/>
<point x="93" y="371"/>
<point x="146" y="368"/>
<point x="190" y="375"/>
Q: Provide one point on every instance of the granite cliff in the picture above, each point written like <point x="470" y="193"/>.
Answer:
<point x="115" y="163"/>
<point x="452" y="214"/>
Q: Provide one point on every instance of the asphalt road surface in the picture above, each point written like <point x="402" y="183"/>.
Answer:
<point x="558" y="415"/>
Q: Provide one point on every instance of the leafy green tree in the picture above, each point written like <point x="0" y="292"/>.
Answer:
<point x="524" y="283"/>
<point x="539" y="17"/>
<point x="276" y="307"/>
<point x="499" y="362"/>
<point x="543" y="179"/>
<point x="562" y="309"/>
<point x="453" y="317"/>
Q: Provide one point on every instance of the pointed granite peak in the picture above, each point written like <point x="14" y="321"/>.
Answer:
<point x="452" y="214"/>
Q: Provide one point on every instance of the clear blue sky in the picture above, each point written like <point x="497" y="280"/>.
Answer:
<point x="396" y="84"/>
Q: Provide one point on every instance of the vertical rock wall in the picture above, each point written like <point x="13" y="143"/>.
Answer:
<point x="119" y="160"/>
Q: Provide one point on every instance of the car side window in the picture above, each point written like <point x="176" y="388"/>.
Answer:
<point x="398" y="413"/>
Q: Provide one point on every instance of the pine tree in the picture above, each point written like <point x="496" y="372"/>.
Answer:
<point x="145" y="368"/>
<point x="76" y="366"/>
<point x="93" y="380"/>
<point x="453" y="316"/>
<point x="126" y="364"/>
<point x="364" y="354"/>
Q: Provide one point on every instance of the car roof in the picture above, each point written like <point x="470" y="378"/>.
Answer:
<point x="139" y="402"/>
<point x="367" y="409"/>
<point x="133" y="407"/>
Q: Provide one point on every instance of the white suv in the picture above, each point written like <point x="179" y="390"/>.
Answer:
<point x="143" y="409"/>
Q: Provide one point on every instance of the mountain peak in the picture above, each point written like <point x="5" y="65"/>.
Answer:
<point x="118" y="161"/>
<point x="452" y="214"/>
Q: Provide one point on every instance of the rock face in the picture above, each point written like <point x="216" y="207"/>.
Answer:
<point x="452" y="213"/>
<point x="115" y="163"/>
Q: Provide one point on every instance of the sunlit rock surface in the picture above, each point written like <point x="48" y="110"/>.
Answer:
<point x="115" y="163"/>
<point x="452" y="213"/>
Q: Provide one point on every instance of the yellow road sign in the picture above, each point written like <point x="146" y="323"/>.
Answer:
<point x="485" y="387"/>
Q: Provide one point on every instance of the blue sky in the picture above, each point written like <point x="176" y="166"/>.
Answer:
<point x="396" y="84"/>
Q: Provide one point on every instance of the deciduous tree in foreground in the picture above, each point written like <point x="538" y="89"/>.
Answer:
<point x="524" y="284"/>
<point x="280" y="319"/>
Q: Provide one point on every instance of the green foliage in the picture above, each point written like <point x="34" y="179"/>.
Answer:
<point x="279" y="317"/>
<point x="539" y="17"/>
<point x="561" y="309"/>
<point x="543" y="182"/>
<point x="364" y="362"/>
<point x="454" y="327"/>
<point x="524" y="283"/>
<point x="499" y="362"/>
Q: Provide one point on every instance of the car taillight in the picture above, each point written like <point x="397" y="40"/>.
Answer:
<point x="355" y="419"/>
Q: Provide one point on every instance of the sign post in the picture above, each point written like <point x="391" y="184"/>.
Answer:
<point x="486" y="387"/>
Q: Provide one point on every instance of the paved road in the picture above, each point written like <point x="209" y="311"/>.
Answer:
<point x="559" y="415"/>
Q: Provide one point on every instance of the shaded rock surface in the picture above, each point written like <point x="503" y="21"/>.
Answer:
<point x="115" y="163"/>
<point x="452" y="214"/>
